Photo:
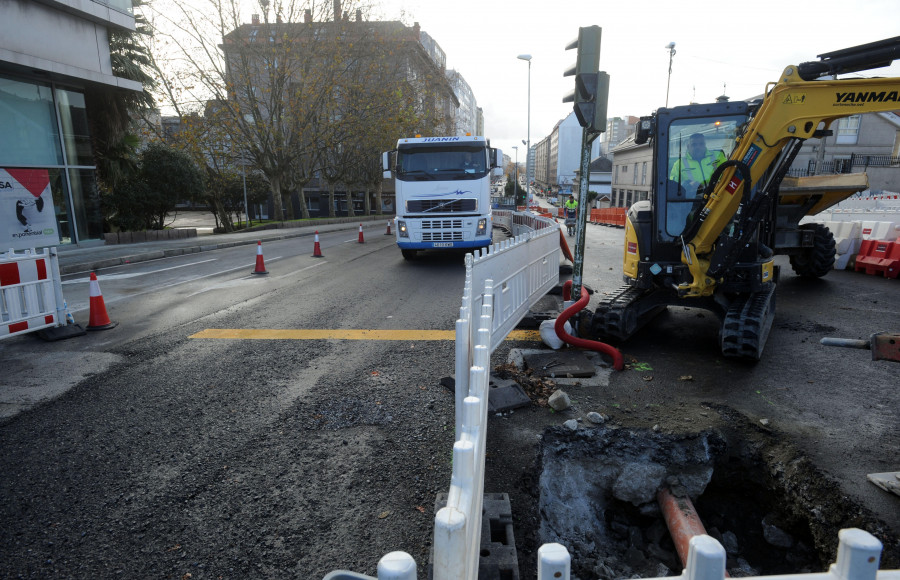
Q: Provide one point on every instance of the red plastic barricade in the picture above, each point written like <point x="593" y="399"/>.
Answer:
<point x="879" y="257"/>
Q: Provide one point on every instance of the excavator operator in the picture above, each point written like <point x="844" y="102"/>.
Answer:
<point x="694" y="169"/>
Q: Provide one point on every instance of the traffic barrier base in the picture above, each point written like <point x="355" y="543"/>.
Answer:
<point x="879" y="257"/>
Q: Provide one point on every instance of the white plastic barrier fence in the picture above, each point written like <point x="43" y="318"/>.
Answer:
<point x="880" y="230"/>
<point x="859" y="553"/>
<point x="30" y="292"/>
<point x="457" y="526"/>
<point x="513" y="275"/>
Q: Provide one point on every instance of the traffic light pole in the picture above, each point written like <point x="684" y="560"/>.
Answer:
<point x="589" y="104"/>
<point x="584" y="179"/>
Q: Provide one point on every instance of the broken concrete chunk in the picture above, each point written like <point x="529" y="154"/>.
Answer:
<point x="595" y="418"/>
<point x="559" y="400"/>
<point x="775" y="535"/>
<point x="637" y="483"/>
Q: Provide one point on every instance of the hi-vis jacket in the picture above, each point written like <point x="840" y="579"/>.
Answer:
<point x="689" y="169"/>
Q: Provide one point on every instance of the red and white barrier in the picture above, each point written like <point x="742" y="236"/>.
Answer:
<point x="30" y="292"/>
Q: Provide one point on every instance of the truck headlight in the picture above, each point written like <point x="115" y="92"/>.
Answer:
<point x="402" y="231"/>
<point x="482" y="225"/>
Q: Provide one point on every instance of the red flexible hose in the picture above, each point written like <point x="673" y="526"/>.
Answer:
<point x="560" y="327"/>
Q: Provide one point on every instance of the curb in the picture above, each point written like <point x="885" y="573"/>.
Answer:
<point x="75" y="268"/>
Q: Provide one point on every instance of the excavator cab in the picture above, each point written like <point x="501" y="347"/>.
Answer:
<point x="688" y="144"/>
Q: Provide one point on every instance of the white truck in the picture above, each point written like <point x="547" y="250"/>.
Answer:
<point x="443" y="191"/>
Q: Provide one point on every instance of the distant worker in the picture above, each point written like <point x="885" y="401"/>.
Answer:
<point x="571" y="203"/>
<point x="694" y="169"/>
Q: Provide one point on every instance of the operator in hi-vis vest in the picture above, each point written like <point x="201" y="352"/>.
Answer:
<point x="694" y="169"/>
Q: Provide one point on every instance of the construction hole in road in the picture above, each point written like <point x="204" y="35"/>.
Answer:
<point x="596" y="493"/>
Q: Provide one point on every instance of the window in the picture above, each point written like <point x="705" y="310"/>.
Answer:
<point x="634" y="175"/>
<point x="847" y="130"/>
<point x="28" y="125"/>
<point x="644" y="173"/>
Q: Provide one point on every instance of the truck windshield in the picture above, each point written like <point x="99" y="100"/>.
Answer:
<point x="441" y="163"/>
<point x="696" y="147"/>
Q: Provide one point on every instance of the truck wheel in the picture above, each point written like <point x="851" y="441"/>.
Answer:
<point x="409" y="254"/>
<point x="818" y="260"/>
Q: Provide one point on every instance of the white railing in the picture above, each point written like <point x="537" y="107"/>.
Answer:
<point x="858" y="557"/>
<point x="510" y="277"/>
<point x="30" y="292"/>
<point x="457" y="526"/>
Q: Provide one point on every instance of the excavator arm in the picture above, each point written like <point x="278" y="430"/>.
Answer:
<point x="799" y="106"/>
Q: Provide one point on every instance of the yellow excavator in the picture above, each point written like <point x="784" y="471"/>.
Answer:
<point x="708" y="235"/>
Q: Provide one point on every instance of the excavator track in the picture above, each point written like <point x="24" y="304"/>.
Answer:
<point x="747" y="322"/>
<point x="622" y="312"/>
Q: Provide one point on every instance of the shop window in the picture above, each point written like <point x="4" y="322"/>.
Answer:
<point x="73" y="118"/>
<point x="28" y="125"/>
<point x="86" y="204"/>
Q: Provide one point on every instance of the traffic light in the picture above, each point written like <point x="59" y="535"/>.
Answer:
<point x="591" y="85"/>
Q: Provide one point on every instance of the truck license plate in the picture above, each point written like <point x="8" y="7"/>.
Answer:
<point x="443" y="244"/>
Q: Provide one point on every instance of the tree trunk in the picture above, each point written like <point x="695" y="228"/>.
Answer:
<point x="275" y="184"/>
<point x="288" y="205"/>
<point x="378" y="202"/>
<point x="367" y="202"/>
<point x="223" y="217"/>
<point x="331" y="200"/>
<point x="304" y="209"/>
<point x="350" y="211"/>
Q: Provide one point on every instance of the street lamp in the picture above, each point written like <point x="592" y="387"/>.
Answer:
<point x="516" y="182"/>
<point x="528" y="145"/>
<point x="671" y="47"/>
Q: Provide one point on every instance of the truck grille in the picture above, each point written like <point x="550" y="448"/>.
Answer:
<point x="441" y="224"/>
<point x="442" y="236"/>
<point x="442" y="205"/>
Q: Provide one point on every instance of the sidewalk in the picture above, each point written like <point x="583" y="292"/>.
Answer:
<point x="93" y="256"/>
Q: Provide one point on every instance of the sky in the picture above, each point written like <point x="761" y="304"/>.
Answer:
<point x="734" y="48"/>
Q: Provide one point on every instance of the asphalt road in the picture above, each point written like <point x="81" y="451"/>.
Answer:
<point x="161" y="455"/>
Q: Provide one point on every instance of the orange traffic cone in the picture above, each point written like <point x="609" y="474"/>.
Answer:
<point x="260" y="264"/>
<point x="361" y="240"/>
<point x="317" y="250"/>
<point x="388" y="232"/>
<point x="99" y="318"/>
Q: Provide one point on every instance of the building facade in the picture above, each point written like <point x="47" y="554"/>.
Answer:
<point x="599" y="181"/>
<point x="54" y="55"/>
<point x="632" y="173"/>
<point x="466" y="121"/>
<point x="387" y="55"/>
<point x="558" y="156"/>
<point x="867" y="143"/>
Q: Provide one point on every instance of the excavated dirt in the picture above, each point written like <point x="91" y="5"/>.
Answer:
<point x="592" y="490"/>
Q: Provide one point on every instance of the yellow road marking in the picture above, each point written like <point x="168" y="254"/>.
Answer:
<point x="349" y="334"/>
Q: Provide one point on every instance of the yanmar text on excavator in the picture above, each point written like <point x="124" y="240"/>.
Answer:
<point x="721" y="207"/>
